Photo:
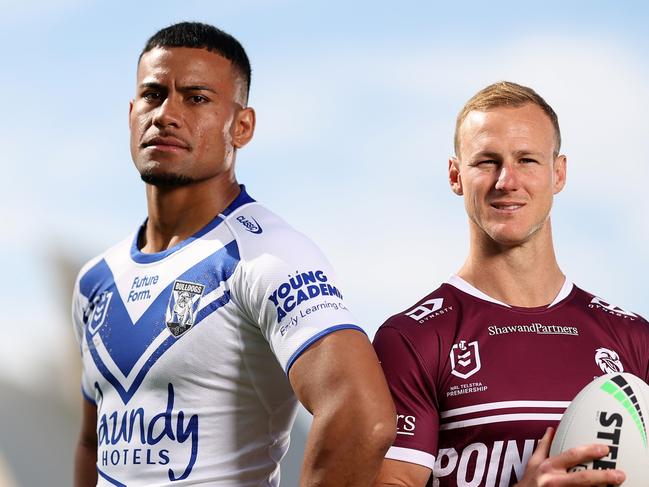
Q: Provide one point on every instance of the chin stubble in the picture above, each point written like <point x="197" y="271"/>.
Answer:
<point x="167" y="180"/>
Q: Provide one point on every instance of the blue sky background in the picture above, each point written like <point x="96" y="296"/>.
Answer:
<point x="356" y="103"/>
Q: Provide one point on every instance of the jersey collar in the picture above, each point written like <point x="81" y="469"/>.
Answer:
<point x="459" y="283"/>
<point x="141" y="258"/>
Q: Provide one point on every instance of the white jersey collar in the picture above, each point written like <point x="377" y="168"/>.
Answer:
<point x="462" y="285"/>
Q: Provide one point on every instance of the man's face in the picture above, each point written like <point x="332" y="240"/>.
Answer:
<point x="507" y="172"/>
<point x="186" y="119"/>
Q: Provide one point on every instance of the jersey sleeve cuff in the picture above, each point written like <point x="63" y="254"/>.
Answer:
<point x="411" y="456"/>
<point x="317" y="337"/>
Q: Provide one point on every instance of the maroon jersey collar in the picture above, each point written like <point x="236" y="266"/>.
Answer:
<point x="459" y="283"/>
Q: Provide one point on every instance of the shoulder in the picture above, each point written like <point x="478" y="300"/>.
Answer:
<point x="96" y="271"/>
<point x="263" y="235"/>
<point x="426" y="324"/>
<point x="605" y="309"/>
<point x="434" y="311"/>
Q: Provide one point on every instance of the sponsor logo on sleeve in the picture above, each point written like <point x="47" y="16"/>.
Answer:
<point x="428" y="309"/>
<point x="608" y="361"/>
<point x="300" y="288"/>
<point x="183" y="304"/>
<point x="599" y="303"/>
<point x="250" y="224"/>
<point x="465" y="359"/>
<point x="406" y="425"/>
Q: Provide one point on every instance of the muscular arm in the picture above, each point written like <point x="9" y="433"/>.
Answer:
<point x="395" y="473"/>
<point x="339" y="380"/>
<point x="85" y="464"/>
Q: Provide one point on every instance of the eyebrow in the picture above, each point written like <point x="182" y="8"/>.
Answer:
<point x="487" y="154"/>
<point x="496" y="155"/>
<point x="182" y="89"/>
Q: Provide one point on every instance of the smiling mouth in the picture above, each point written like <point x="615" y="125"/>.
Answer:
<point x="507" y="207"/>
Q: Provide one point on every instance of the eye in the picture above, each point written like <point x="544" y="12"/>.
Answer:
<point x="529" y="161"/>
<point x="151" y="96"/>
<point x="198" y="99"/>
<point x="488" y="162"/>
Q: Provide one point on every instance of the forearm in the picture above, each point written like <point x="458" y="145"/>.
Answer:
<point x="85" y="465"/>
<point x="345" y="447"/>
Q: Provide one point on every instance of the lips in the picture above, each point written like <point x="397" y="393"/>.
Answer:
<point x="507" y="206"/>
<point x="166" y="143"/>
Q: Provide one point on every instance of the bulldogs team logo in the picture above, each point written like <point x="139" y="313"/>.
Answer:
<point x="182" y="307"/>
<point x="99" y="310"/>
<point x="608" y="361"/>
<point x="465" y="359"/>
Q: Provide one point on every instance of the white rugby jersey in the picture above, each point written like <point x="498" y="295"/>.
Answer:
<point x="185" y="352"/>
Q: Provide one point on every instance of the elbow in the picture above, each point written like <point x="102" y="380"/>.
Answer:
<point x="379" y="424"/>
<point x="383" y="433"/>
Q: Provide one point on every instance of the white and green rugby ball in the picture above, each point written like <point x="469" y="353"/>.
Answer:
<point x="613" y="410"/>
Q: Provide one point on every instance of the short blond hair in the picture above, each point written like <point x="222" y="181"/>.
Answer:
<point x="506" y="94"/>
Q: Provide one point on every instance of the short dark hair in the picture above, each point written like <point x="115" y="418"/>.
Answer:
<point x="203" y="36"/>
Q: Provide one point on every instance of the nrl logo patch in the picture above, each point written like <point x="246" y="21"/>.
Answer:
<point x="465" y="359"/>
<point x="99" y="310"/>
<point x="182" y="307"/>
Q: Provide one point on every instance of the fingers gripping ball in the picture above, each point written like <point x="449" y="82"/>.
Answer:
<point x="612" y="410"/>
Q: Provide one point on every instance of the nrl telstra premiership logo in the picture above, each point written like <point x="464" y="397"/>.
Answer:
<point x="465" y="359"/>
<point x="99" y="310"/>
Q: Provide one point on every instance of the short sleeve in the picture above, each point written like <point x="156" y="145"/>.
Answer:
<point x="414" y="399"/>
<point x="79" y="304"/>
<point x="288" y="288"/>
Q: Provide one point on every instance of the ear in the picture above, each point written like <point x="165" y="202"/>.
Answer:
<point x="559" y="173"/>
<point x="454" y="177"/>
<point x="243" y="127"/>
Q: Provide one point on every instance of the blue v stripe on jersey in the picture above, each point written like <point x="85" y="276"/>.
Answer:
<point x="126" y="342"/>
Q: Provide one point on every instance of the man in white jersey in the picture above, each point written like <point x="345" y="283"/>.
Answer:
<point x="199" y="330"/>
<point x="484" y="366"/>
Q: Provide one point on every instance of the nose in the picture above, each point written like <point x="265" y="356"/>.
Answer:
<point x="507" y="178"/>
<point x="168" y="113"/>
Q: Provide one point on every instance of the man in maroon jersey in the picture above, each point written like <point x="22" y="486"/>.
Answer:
<point x="484" y="366"/>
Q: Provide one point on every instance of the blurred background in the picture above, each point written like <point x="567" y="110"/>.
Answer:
<point x="356" y="103"/>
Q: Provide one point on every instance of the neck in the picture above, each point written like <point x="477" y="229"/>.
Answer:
<point x="525" y="275"/>
<point x="174" y="214"/>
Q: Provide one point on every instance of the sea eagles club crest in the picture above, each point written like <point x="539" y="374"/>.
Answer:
<point x="182" y="307"/>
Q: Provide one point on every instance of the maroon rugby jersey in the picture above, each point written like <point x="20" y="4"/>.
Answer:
<point x="476" y="382"/>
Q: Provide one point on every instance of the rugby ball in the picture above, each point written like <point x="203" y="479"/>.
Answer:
<point x="612" y="410"/>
